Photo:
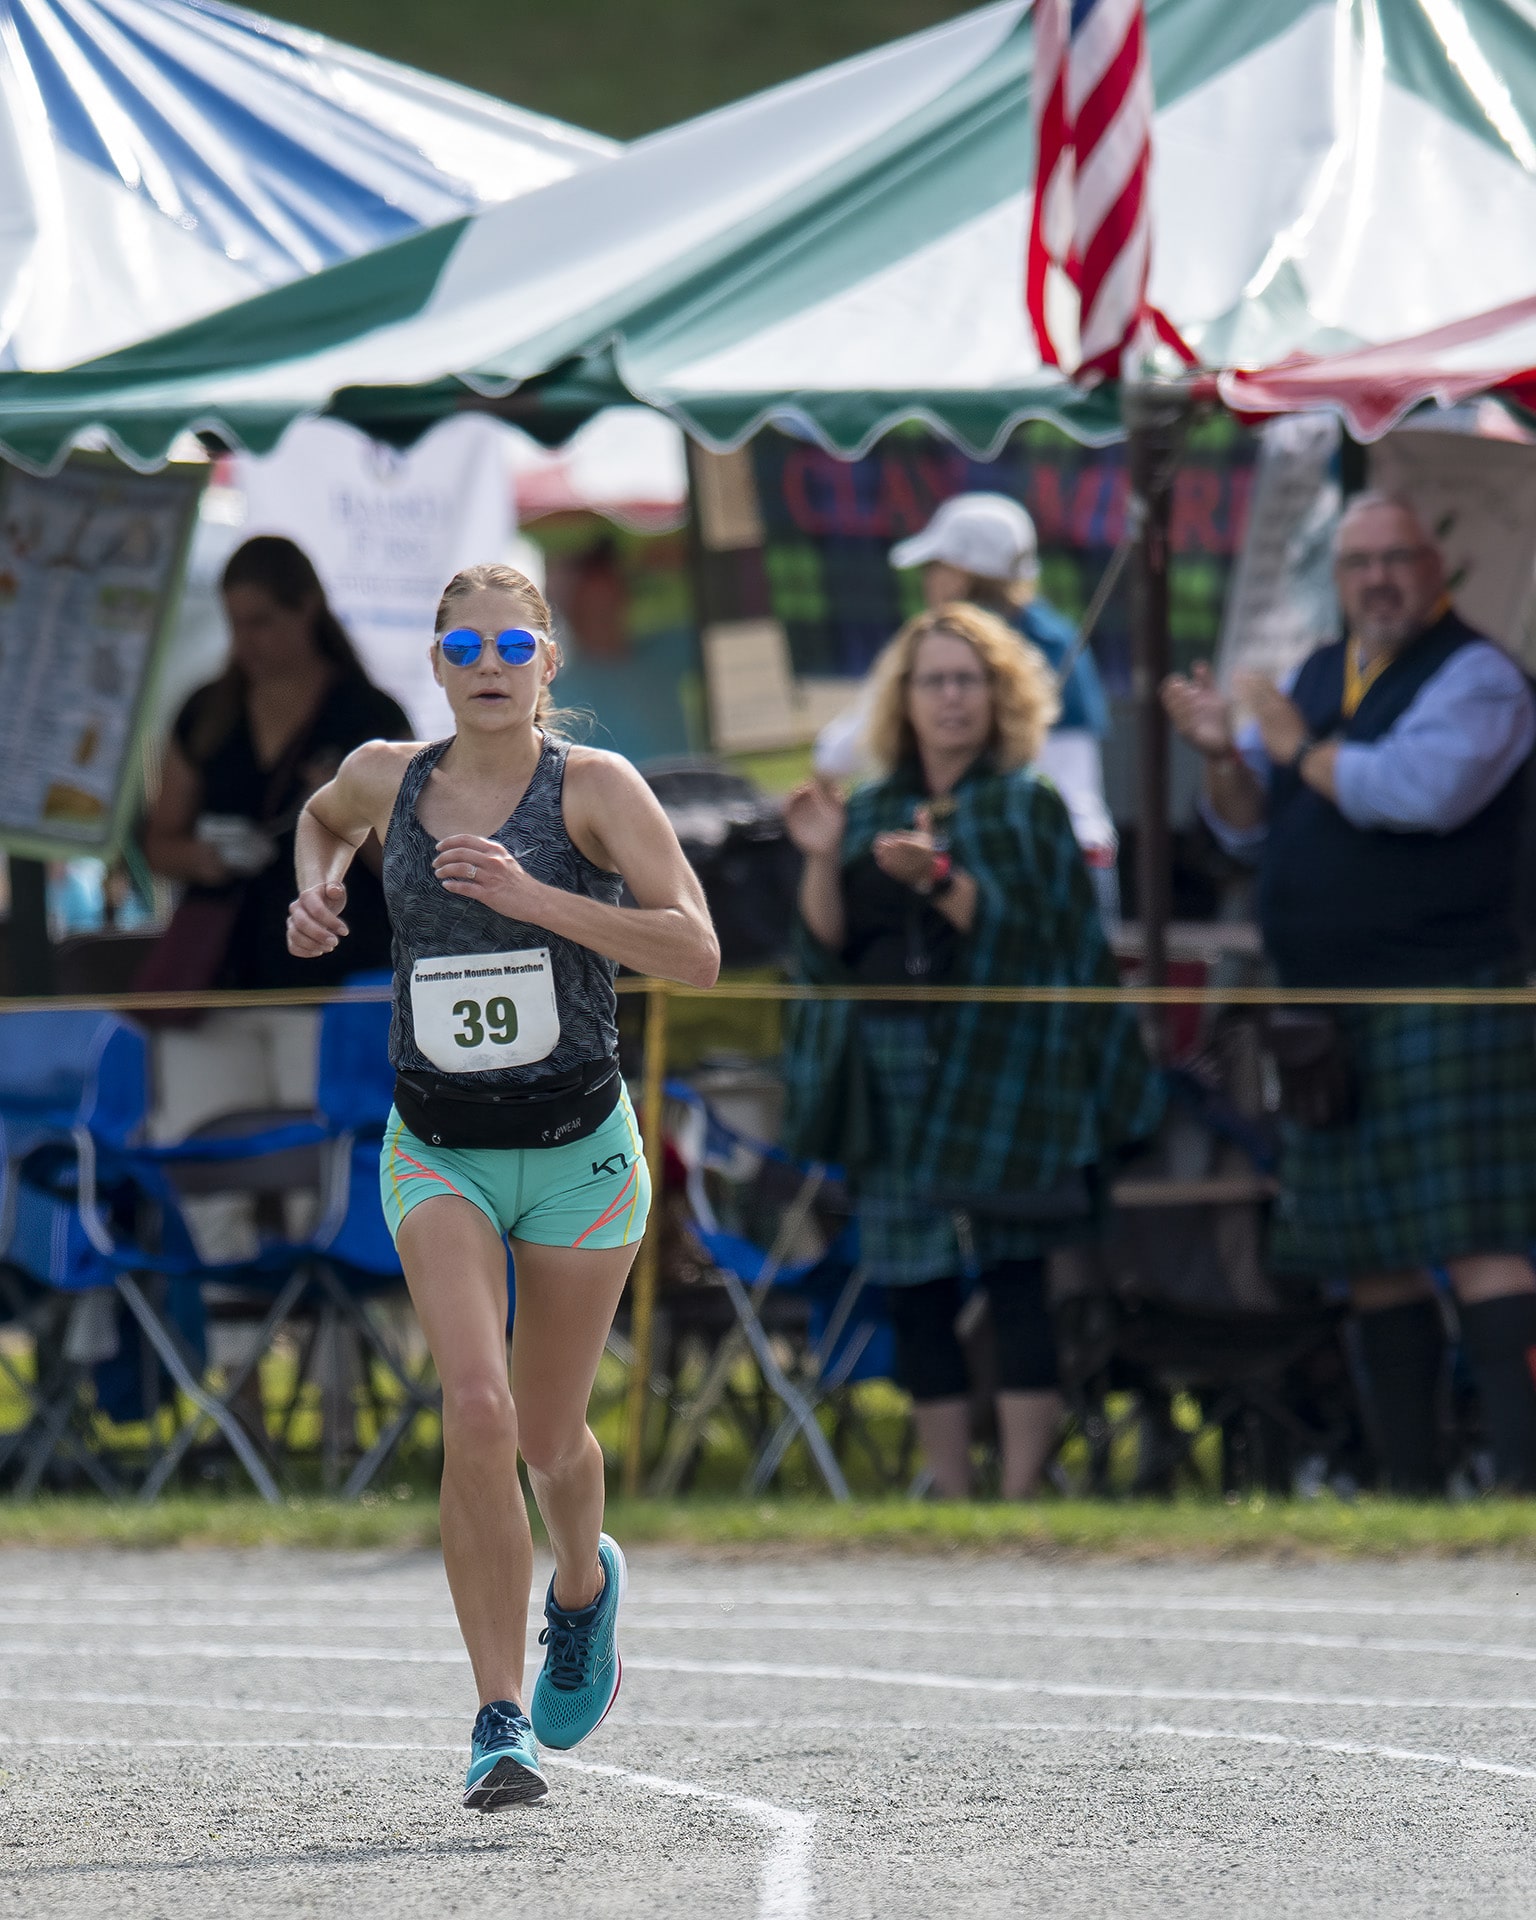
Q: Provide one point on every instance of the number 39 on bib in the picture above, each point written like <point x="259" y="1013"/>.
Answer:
<point x="478" y="1011"/>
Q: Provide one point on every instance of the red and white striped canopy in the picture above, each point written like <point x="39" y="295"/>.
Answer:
<point x="1375" y="387"/>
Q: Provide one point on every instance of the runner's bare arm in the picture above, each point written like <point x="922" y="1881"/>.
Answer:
<point x="336" y="820"/>
<point x="617" y="822"/>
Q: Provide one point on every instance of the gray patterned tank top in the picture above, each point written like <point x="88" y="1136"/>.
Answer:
<point x="431" y="924"/>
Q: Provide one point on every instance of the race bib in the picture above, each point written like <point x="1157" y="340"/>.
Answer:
<point x="476" y="1011"/>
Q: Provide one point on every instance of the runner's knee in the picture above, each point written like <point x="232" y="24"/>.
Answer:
<point x="550" y="1446"/>
<point x="478" y="1413"/>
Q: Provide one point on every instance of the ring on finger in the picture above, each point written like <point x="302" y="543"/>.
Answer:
<point x="473" y="870"/>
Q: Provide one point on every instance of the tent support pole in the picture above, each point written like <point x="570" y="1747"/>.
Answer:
<point x="1154" y="418"/>
<point x="31" y="953"/>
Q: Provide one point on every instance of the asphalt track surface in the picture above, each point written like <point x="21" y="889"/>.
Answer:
<point x="266" y="1733"/>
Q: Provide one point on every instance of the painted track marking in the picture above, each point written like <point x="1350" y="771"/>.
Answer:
<point x="29" y="1607"/>
<point x="1045" y="1689"/>
<point x="867" y="1628"/>
<point x="784" y="1878"/>
<point x="793" y="1828"/>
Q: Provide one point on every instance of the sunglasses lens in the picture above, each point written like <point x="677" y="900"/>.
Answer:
<point x="461" y="648"/>
<point x="517" y="646"/>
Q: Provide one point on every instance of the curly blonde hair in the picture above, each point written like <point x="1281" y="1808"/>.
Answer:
<point x="1025" y="700"/>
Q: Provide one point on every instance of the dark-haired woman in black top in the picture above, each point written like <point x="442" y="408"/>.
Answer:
<point x="248" y="750"/>
<point x="245" y="753"/>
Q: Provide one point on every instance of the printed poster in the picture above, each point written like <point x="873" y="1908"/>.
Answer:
<point x="90" y="563"/>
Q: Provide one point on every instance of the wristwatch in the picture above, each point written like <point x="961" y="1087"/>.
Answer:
<point x="1293" y="765"/>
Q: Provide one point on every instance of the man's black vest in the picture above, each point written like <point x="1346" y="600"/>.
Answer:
<point x="1348" y="906"/>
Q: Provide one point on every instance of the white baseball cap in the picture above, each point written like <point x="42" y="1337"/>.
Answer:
<point x="982" y="533"/>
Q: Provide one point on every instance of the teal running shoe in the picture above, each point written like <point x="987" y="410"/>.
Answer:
<point x="582" y="1669"/>
<point x="503" y="1760"/>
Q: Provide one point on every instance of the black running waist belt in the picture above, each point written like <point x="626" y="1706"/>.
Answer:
<point x="447" y="1114"/>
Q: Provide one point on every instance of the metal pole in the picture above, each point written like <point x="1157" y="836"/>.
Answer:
<point x="31" y="951"/>
<point x="647" y="1265"/>
<point x="1154" y="417"/>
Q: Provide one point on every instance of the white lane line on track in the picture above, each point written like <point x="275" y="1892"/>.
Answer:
<point x="784" y="1878"/>
<point x="1353" y="1749"/>
<point x="980" y="1683"/>
<point x="1345" y="1749"/>
<point x="785" y="1891"/>
<point x="1051" y="1602"/>
<point x="40" y="1606"/>
<point x="865" y="1627"/>
<point x="1043" y="1689"/>
<point x="718" y="1620"/>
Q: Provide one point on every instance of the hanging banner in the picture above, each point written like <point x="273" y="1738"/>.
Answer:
<point x="90" y="562"/>
<point x="386" y="531"/>
<point x="1282" y="604"/>
<point x="829" y="526"/>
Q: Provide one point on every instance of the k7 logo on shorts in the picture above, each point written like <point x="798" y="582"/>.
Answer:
<point x="615" y="1163"/>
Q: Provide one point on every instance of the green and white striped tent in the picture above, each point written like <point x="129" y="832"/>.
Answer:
<point x="846" y="251"/>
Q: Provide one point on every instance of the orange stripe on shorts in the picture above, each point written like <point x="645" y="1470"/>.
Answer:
<point x="603" y="1218"/>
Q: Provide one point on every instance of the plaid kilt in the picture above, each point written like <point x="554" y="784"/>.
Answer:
<point x="904" y="1238"/>
<point x="1441" y="1159"/>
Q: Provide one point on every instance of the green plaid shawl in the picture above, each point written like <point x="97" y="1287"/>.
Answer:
<point x="1018" y="1096"/>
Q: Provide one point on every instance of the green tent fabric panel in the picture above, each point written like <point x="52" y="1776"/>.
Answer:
<point x="850" y="423"/>
<point x="149" y="393"/>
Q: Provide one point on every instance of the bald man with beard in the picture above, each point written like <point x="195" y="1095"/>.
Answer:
<point x="1381" y="792"/>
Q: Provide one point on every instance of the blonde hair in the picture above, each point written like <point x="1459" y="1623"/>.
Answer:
<point x="490" y="576"/>
<point x="1025" y="700"/>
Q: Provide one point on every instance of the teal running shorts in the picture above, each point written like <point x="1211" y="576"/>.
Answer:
<point x="588" y="1193"/>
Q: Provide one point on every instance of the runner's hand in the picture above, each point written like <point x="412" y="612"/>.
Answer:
<point x="315" y="924"/>
<point x="483" y="870"/>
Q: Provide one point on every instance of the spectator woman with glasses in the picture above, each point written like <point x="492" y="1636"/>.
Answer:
<point x="972" y="1134"/>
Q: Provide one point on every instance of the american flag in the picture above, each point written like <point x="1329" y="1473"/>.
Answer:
<point x="1090" y="233"/>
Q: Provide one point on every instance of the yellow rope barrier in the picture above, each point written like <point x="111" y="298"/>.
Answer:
<point x="1132" y="996"/>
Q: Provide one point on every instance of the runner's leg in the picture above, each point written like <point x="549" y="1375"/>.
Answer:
<point x="566" y="1300"/>
<point x="456" y="1269"/>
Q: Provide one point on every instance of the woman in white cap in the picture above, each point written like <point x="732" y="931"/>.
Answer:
<point x="982" y="548"/>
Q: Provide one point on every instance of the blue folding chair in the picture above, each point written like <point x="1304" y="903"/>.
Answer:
<point x="849" y="1339"/>
<point x="354" y="1258"/>
<point x="87" y="1202"/>
<point x="59" y="1292"/>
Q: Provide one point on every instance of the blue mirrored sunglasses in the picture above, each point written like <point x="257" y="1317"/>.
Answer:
<point x="516" y="645"/>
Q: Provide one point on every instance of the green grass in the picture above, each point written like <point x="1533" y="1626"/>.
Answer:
<point x="611" y="65"/>
<point x="1137" y="1530"/>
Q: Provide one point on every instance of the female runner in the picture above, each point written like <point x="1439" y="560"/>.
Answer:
<point x="505" y="853"/>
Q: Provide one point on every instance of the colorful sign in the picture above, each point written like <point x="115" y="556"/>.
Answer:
<point x="90" y="561"/>
<point x="830" y="525"/>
